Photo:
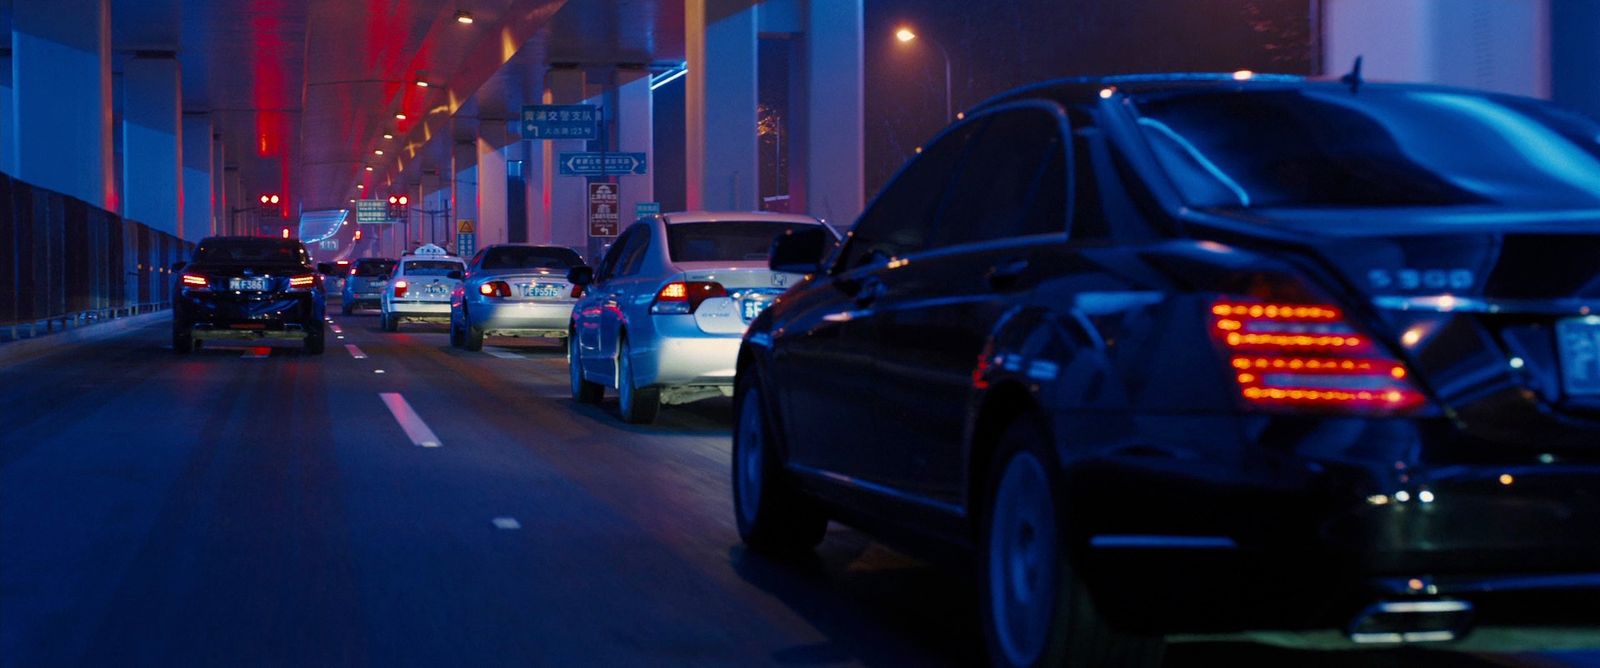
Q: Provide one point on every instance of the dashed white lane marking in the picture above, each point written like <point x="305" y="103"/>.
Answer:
<point x="354" y="351"/>
<point x="257" y="352"/>
<point x="415" y="428"/>
<point x="505" y="355"/>
<point x="507" y="523"/>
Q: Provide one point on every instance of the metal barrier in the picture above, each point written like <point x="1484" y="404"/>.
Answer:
<point x="64" y="263"/>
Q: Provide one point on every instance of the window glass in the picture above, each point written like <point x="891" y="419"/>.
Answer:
<point x="629" y="263"/>
<point x="1011" y="184"/>
<point x="725" y="241"/>
<point x="529" y="257"/>
<point x="368" y="268"/>
<point x="899" y="221"/>
<point x="431" y="267"/>
<point x="608" y="263"/>
<point x="252" y="251"/>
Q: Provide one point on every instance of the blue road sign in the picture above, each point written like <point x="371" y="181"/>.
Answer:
<point x="560" y="121"/>
<point x="646" y="209"/>
<point x="601" y="164"/>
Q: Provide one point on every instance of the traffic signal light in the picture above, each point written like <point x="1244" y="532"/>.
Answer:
<point x="399" y="205"/>
<point x="286" y="233"/>
<point x="268" y="199"/>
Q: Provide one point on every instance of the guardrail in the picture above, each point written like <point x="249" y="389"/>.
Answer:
<point x="65" y="263"/>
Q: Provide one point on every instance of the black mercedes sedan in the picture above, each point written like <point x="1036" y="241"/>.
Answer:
<point x="250" y="288"/>
<point x="1192" y="354"/>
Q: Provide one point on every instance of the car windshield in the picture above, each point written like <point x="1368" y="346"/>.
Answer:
<point x="370" y="268"/>
<point x="530" y="257"/>
<point x="724" y="241"/>
<point x="257" y="251"/>
<point x="1378" y="147"/>
<point x="431" y="267"/>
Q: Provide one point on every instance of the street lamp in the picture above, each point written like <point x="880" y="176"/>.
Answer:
<point x="905" y="35"/>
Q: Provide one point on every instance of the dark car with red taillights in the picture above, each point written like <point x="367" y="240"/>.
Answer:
<point x="248" y="288"/>
<point x="1193" y="354"/>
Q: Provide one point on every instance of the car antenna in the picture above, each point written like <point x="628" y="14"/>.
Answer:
<point x="1353" y="78"/>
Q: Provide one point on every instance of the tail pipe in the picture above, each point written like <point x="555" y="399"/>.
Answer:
<point x="1411" y="621"/>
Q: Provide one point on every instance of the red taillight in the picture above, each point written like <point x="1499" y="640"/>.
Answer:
<point x="1308" y="356"/>
<point x="399" y="288"/>
<point x="495" y="289"/>
<point x="302" y="282"/>
<point x="195" y="281"/>
<point x="352" y="271"/>
<point x="680" y="297"/>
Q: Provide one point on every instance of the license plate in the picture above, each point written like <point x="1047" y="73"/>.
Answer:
<point x="542" y="290"/>
<point x="258" y="283"/>
<point x="1578" y="341"/>
<point x="753" y="307"/>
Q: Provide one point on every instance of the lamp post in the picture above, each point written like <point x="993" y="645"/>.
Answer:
<point x="906" y="36"/>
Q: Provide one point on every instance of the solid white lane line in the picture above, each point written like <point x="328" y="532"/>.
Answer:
<point x="354" y="351"/>
<point x="505" y="355"/>
<point x="415" y="428"/>
<point x="507" y="523"/>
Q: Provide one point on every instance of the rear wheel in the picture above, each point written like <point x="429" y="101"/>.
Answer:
<point x="639" y="405"/>
<point x="388" y="322"/>
<point x="472" y="338"/>
<point x="182" y="339"/>
<point x="315" y="341"/>
<point x="583" y="391"/>
<point x="456" y="339"/>
<point x="1037" y="610"/>
<point x="772" y="516"/>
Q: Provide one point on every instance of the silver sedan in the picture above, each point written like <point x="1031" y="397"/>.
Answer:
<point x="662" y="315"/>
<point x="513" y="290"/>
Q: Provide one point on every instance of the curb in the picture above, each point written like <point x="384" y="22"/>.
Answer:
<point x="27" y="349"/>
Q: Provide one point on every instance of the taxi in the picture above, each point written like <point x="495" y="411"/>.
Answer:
<point x="419" y="288"/>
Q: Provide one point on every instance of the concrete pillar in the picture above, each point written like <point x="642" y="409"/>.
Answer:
<point x="61" y="78"/>
<point x="8" y="131"/>
<point x="491" y="183"/>
<point x="198" y="158"/>
<point x="635" y="123"/>
<point x="237" y="222"/>
<point x="721" y="150"/>
<point x="1575" y="62"/>
<point x="565" y="204"/>
<point x="830" y="139"/>
<point x="424" y="211"/>
<point x="1494" y="45"/>
<point x="219" y="186"/>
<point x="152" y="143"/>
<point x="464" y="186"/>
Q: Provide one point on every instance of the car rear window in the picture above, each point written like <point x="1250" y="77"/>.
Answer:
<point x="1377" y="147"/>
<point x="257" y="251"/>
<point x="724" y="241"/>
<point x="374" y="267"/>
<point x="530" y="257"/>
<point x="431" y="267"/>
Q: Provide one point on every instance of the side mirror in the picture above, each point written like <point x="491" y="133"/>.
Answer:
<point x="178" y="266"/>
<point x="454" y="275"/>
<point x="580" y="275"/>
<point x="800" y="251"/>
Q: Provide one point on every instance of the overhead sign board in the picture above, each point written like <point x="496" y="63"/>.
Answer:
<point x="646" y="209"/>
<point x="603" y="215"/>
<point x="593" y="163"/>
<point x="560" y="121"/>
<point x="372" y="211"/>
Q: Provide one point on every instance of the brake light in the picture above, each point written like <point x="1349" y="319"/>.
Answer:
<point x="1308" y="356"/>
<point x="681" y="297"/>
<point x="352" y="271"/>
<point x="495" y="289"/>
<point x="399" y="288"/>
<point x="302" y="282"/>
<point x="195" y="281"/>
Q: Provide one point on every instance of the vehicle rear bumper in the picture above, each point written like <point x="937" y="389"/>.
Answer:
<point x="548" y="319"/>
<point x="706" y="360"/>
<point x="418" y="311"/>
<point x="215" y="312"/>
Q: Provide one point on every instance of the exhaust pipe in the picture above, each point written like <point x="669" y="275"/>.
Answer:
<point x="1402" y="622"/>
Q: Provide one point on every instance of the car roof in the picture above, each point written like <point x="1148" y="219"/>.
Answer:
<point x="739" y="216"/>
<point x="1080" y="90"/>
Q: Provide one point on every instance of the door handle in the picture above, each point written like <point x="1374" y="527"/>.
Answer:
<point x="1004" y="275"/>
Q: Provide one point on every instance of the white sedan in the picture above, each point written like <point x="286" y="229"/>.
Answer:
<point x="419" y="289"/>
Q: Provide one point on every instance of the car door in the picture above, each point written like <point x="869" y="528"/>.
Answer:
<point x="824" y="366"/>
<point x="1006" y="206"/>
<point x="632" y="290"/>
<point x="591" y="314"/>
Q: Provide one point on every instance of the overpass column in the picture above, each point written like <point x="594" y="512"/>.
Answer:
<point x="198" y="163"/>
<point x="8" y="130"/>
<point x="152" y="143"/>
<point x="463" y="188"/>
<point x="61" y="91"/>
<point x="720" y="114"/>
<point x="635" y="134"/>
<point x="565" y="204"/>
<point x="219" y="187"/>
<point x="491" y="182"/>
<point x="834" y="124"/>
<point x="1484" y="44"/>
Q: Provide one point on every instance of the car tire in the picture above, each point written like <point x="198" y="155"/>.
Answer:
<point x="182" y="339"/>
<point x="1035" y="607"/>
<point x="316" y="340"/>
<point x="583" y="390"/>
<point x="773" y="517"/>
<point x="472" y="338"/>
<point x="388" y="322"/>
<point x="456" y="338"/>
<point x="639" y="405"/>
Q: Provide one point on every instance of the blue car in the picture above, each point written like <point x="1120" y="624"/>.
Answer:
<point x="364" y="286"/>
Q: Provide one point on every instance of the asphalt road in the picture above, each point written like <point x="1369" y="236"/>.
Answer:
<point x="244" y="507"/>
